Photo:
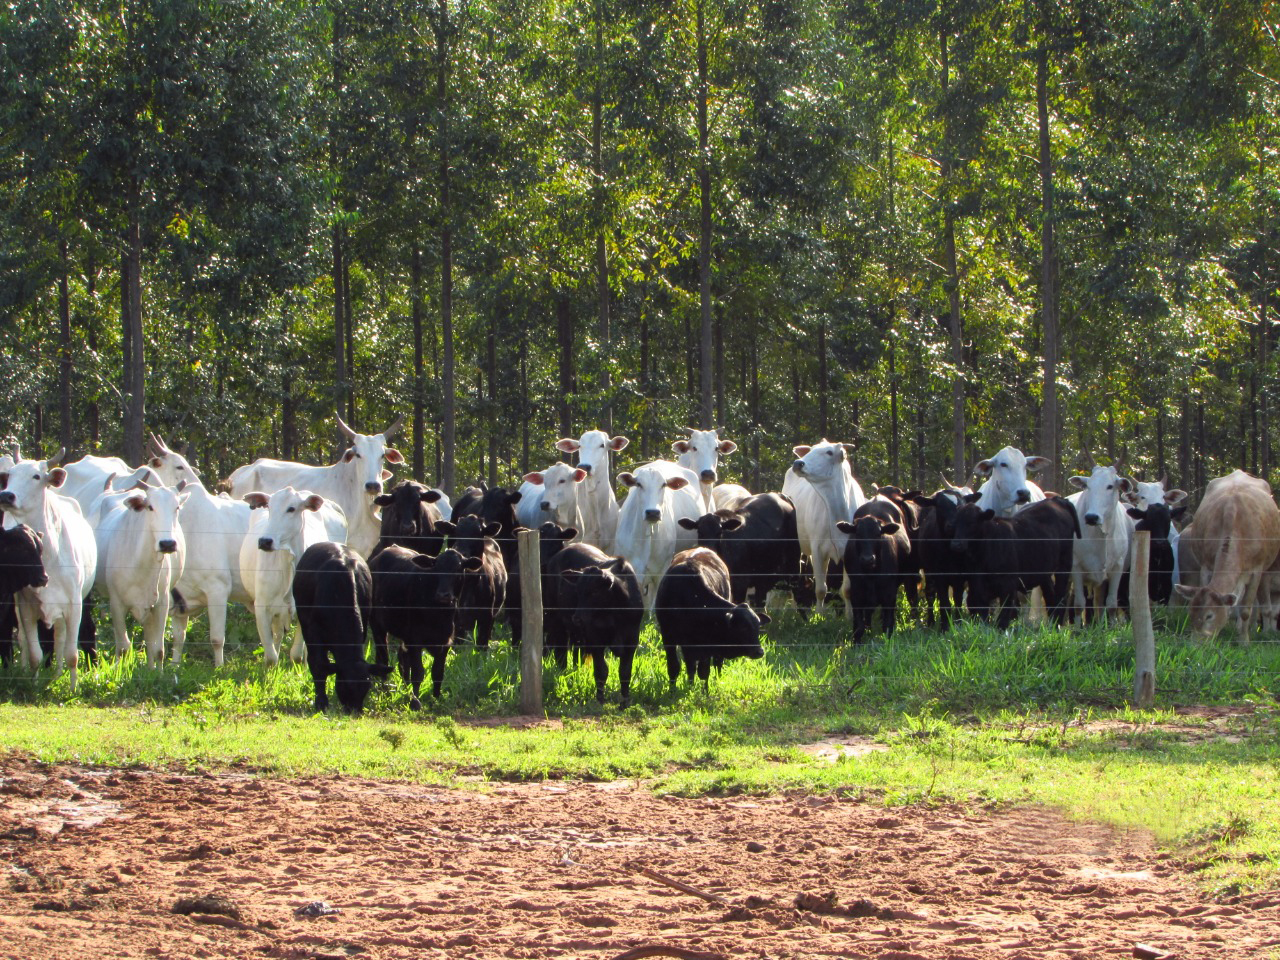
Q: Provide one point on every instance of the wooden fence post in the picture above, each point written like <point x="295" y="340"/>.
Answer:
<point x="531" y="607"/>
<point x="1144" y="637"/>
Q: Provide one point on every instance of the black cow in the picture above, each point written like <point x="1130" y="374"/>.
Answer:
<point x="333" y="593"/>
<point x="697" y="617"/>
<point x="602" y="610"/>
<point x="1158" y="518"/>
<point x="877" y="558"/>
<point x="415" y="599"/>
<point x="559" y="555"/>
<point x="1009" y="555"/>
<point x="485" y="591"/>
<point x="944" y="570"/>
<point x="912" y="518"/>
<point x="498" y="505"/>
<point x="21" y="566"/>
<point x="757" y="541"/>
<point x="410" y="518"/>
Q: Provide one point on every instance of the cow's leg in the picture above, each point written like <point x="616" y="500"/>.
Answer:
<point x="29" y="633"/>
<point x="320" y="670"/>
<point x="119" y="626"/>
<point x="1113" y="593"/>
<point x="1077" y="594"/>
<point x="66" y="636"/>
<point x="438" y="659"/>
<point x="484" y="629"/>
<point x="411" y="670"/>
<point x="263" y="617"/>
<point x="1246" y="608"/>
<point x="600" y="670"/>
<point x="381" y="655"/>
<point x="704" y="673"/>
<point x="298" y="652"/>
<point x="217" y="627"/>
<point x="673" y="664"/>
<point x="153" y="631"/>
<point x="625" y="658"/>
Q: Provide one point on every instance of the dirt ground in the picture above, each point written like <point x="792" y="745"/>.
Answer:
<point x="95" y="862"/>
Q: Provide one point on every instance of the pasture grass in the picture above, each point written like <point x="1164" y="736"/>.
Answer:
<point x="979" y="716"/>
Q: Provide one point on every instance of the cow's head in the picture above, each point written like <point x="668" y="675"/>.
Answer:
<point x="21" y="558"/>
<point x="366" y="454"/>
<point x="742" y="633"/>
<point x="822" y="462"/>
<point x="26" y="482"/>
<point x="862" y="552"/>
<point x="158" y="508"/>
<point x="406" y="512"/>
<point x="1103" y="489"/>
<point x="170" y="466"/>
<point x="559" y="497"/>
<point x="1157" y="517"/>
<point x="711" y="527"/>
<point x="286" y="511"/>
<point x="593" y="449"/>
<point x="1208" y="609"/>
<point x="1148" y="492"/>
<point x="552" y="538"/>
<point x="970" y="519"/>
<point x="701" y="453"/>
<point x="1006" y="478"/>
<point x="446" y="573"/>
<point x="600" y="592"/>
<point x="649" y="485"/>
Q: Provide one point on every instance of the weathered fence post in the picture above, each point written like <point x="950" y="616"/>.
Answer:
<point x="1144" y="636"/>
<point x="531" y="607"/>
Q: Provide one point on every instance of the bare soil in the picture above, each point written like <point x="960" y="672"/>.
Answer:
<point x="93" y="863"/>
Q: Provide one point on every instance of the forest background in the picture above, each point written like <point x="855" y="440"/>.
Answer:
<point x="925" y="227"/>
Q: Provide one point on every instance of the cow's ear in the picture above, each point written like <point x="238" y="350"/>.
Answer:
<point x="920" y="500"/>
<point x="568" y="533"/>
<point x="726" y="447"/>
<point x="514" y="498"/>
<point x="423" y="562"/>
<point x="579" y="475"/>
<point x="1036" y="464"/>
<point x="618" y="443"/>
<point x="971" y="497"/>
<point x="430" y="496"/>
<point x="1126" y="485"/>
<point x="256" y="500"/>
<point x="535" y="477"/>
<point x="385" y="475"/>
<point x="183" y="496"/>
<point x="731" y="523"/>
<point x="384" y="499"/>
<point x="765" y="618"/>
<point x="157" y="462"/>
<point x="988" y="515"/>
<point x="844" y="526"/>
<point x="983" y="468"/>
<point x="1177" y="513"/>
<point x="677" y="483"/>
<point x="568" y="445"/>
<point x="890" y="527"/>
<point x="680" y="446"/>
<point x="472" y="564"/>
<point x="492" y="529"/>
<point x="1224" y="599"/>
<point x="1186" y="591"/>
<point x="801" y="450"/>
<point x="57" y="477"/>
<point x="627" y="479"/>
<point x="136" y="502"/>
<point x="1136" y="513"/>
<point x="688" y="523"/>
<point x="1078" y="482"/>
<point x="392" y="455"/>
<point x="445" y="527"/>
<point x="1175" y="496"/>
<point x="313" y="502"/>
<point x="348" y="454"/>
<point x="570" y="576"/>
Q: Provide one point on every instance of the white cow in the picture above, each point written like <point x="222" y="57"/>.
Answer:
<point x="1106" y="535"/>
<point x="552" y="494"/>
<point x="596" y="499"/>
<point x="351" y="483"/>
<point x="701" y="453"/>
<point x="88" y="476"/>
<point x="1007" y="488"/>
<point x="824" y="490"/>
<point x="70" y="557"/>
<point x="215" y="529"/>
<point x="1147" y="492"/>
<point x="141" y="551"/>
<point x="727" y="496"/>
<point x="283" y="525"/>
<point x="649" y="532"/>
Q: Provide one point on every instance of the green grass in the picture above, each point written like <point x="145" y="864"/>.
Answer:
<point x="976" y="716"/>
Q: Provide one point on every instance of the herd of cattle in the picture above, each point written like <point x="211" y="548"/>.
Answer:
<point x="331" y="546"/>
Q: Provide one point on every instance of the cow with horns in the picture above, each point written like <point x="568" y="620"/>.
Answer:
<point x="352" y="483"/>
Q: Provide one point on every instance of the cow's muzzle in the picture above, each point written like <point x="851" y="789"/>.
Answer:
<point x="168" y="546"/>
<point x="653" y="516"/>
<point x="1023" y="495"/>
<point x="798" y="466"/>
<point x="585" y="468"/>
<point x="266" y="543"/>
<point x="373" y="487"/>
<point x="1092" y="519"/>
<point x="708" y="476"/>
<point x="8" y="499"/>
<point x="545" y="506"/>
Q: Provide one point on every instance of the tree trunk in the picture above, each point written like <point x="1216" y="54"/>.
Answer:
<point x="704" y="223"/>
<point x="348" y="329"/>
<point x="1048" y="272"/>
<point x="645" y="382"/>
<point x="494" y="416"/>
<point x="338" y="267"/>
<point x="1184" y="441"/>
<point x="524" y="405"/>
<point x="602" y="253"/>
<point x="135" y="378"/>
<point x="419" y="375"/>
<point x="893" y="412"/>
<point x="959" y="466"/>
<point x="564" y="336"/>
<point x="446" y="254"/>
<point x="823" y="386"/>
<point x="64" y="350"/>
<point x="289" y="405"/>
<point x="94" y="412"/>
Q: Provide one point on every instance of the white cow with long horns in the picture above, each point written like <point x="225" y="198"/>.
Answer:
<point x="351" y="483"/>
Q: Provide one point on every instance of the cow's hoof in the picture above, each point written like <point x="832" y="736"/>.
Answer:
<point x="415" y="703"/>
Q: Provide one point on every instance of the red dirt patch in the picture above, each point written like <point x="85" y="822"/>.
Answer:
<point x="553" y="871"/>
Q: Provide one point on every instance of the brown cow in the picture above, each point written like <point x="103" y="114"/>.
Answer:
<point x="1234" y="539"/>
